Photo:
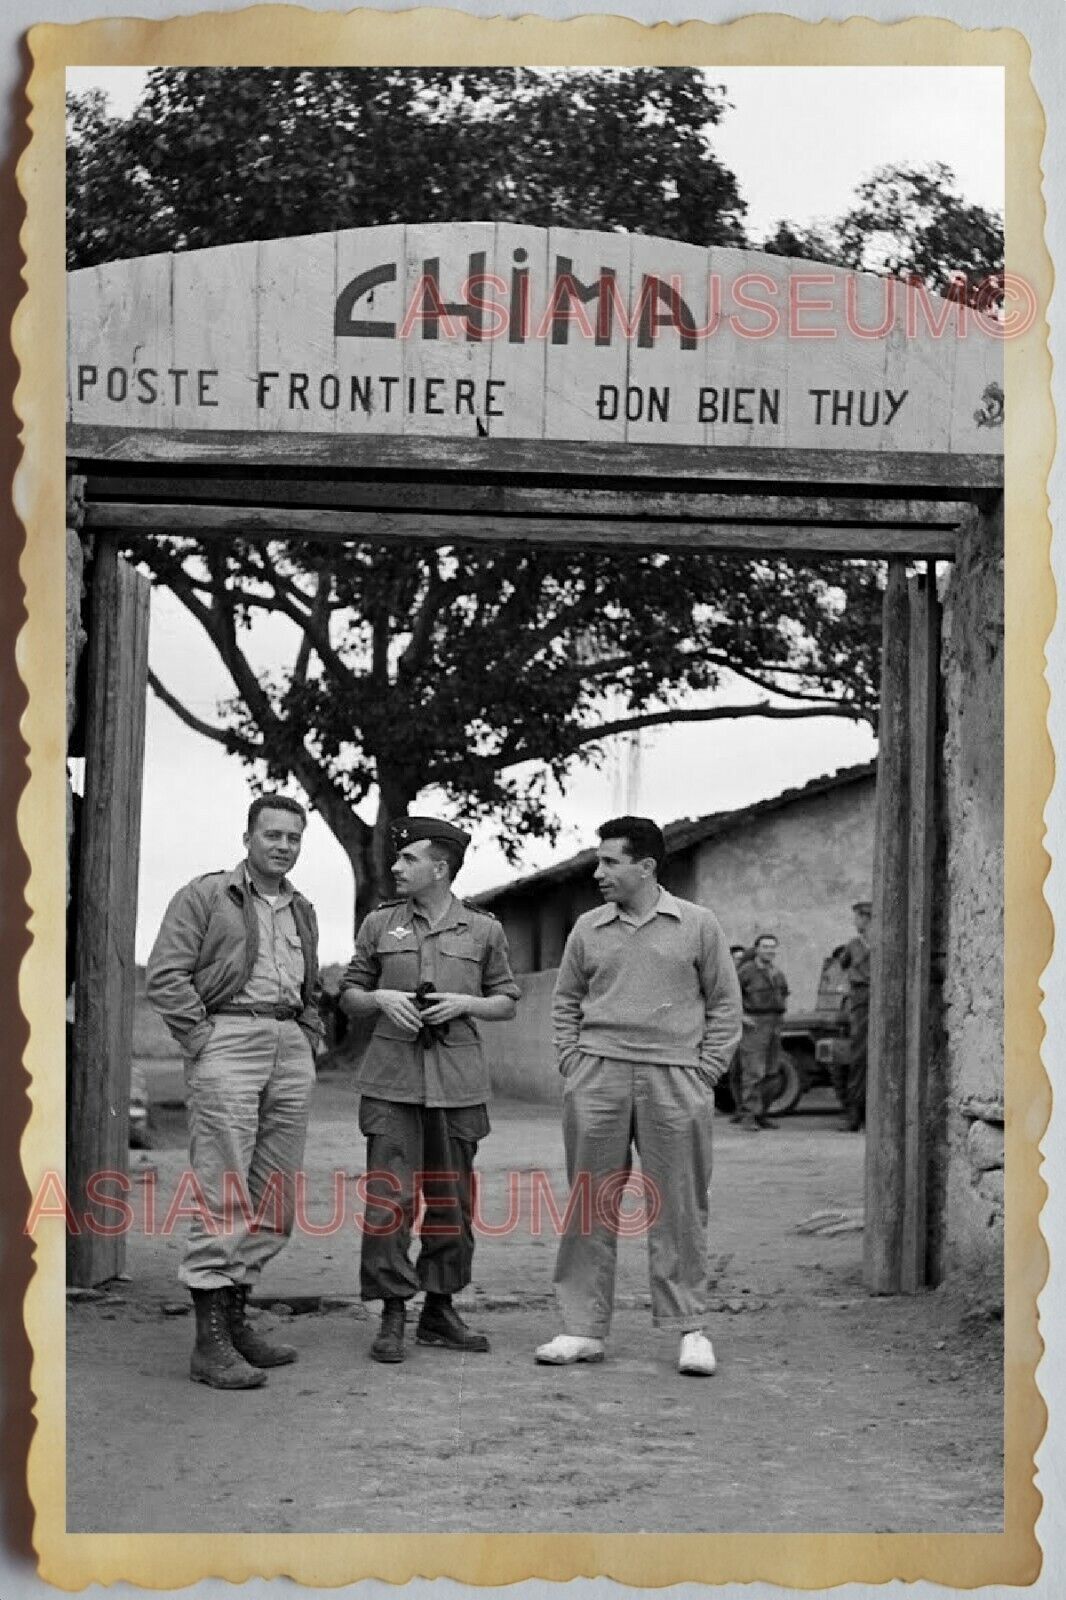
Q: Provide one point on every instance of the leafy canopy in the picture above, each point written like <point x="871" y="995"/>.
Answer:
<point x="217" y="155"/>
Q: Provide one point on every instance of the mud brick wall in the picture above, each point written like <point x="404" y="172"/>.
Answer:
<point x="794" y="872"/>
<point x="971" y="1179"/>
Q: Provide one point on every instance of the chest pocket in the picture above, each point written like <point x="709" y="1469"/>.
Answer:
<point x="293" y="953"/>
<point x="460" y="962"/>
<point x="397" y="955"/>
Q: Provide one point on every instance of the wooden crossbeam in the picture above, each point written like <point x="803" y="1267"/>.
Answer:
<point x="905" y="471"/>
<point x="272" y="522"/>
<point x="449" y="496"/>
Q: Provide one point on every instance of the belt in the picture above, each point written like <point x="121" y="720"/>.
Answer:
<point x="279" y="1013"/>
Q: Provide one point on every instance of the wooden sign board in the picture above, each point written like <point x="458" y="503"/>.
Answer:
<point x="499" y="331"/>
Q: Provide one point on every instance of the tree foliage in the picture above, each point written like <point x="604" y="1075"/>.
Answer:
<point x="911" y="221"/>
<point x="216" y="155"/>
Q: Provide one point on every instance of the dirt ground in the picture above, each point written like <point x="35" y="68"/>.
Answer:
<point x="830" y="1411"/>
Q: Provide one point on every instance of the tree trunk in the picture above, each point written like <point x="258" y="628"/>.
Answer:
<point x="368" y="849"/>
<point x="394" y="797"/>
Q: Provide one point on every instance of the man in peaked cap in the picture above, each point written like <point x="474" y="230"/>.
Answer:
<point x="855" y="961"/>
<point x="428" y="968"/>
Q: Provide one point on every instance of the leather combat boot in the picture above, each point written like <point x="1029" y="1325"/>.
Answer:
<point x="441" y="1324"/>
<point x="214" y="1360"/>
<point x="256" y="1350"/>
<point x="388" y="1346"/>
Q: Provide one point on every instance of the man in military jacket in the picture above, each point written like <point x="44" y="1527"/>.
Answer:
<point x="234" y="975"/>
<point x="429" y="968"/>
<point x="856" y="963"/>
<point x="764" y="988"/>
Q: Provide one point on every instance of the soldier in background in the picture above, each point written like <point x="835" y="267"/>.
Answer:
<point x="855" y="961"/>
<point x="764" y="988"/>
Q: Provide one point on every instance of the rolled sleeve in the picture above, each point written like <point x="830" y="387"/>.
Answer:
<point x="496" y="974"/>
<point x="364" y="969"/>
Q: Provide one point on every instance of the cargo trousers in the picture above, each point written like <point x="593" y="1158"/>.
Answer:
<point x="759" y="1064"/>
<point x="418" y="1155"/>
<point x="610" y="1107"/>
<point x="858" y="1045"/>
<point x="248" y="1098"/>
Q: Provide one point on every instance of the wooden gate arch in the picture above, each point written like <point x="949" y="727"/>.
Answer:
<point x="487" y="382"/>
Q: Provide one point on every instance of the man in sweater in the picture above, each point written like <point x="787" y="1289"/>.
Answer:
<point x="645" y="1019"/>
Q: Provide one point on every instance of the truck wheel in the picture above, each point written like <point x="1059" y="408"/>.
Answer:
<point x="788" y="1086"/>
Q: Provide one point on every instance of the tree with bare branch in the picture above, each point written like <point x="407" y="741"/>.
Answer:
<point x="483" y="674"/>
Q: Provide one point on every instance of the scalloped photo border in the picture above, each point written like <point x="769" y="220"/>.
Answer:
<point x="279" y="35"/>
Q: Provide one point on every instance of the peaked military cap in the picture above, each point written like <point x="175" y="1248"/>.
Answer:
<point x="862" y="905"/>
<point x="408" y="830"/>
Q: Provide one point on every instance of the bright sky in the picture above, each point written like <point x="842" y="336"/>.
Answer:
<point x="799" y="140"/>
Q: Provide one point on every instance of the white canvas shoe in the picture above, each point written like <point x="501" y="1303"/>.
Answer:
<point x="697" y="1355"/>
<point x="566" y="1348"/>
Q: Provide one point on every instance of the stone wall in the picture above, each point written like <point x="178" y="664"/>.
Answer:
<point x="971" y="1180"/>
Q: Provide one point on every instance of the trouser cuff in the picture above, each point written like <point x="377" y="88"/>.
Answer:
<point x="206" y="1280"/>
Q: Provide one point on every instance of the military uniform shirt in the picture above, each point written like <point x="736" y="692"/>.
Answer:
<point x="856" y="963"/>
<point x="764" y="991"/>
<point x="278" y="974"/>
<point x="464" y="953"/>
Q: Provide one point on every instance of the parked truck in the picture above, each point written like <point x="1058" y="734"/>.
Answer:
<point x="815" y="1042"/>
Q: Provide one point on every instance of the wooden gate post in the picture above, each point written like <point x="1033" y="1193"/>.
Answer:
<point x="104" y="983"/>
<point x="886" y="1078"/>
<point x="924" y="678"/>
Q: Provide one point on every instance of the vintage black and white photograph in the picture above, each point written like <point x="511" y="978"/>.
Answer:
<point x="535" y="815"/>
